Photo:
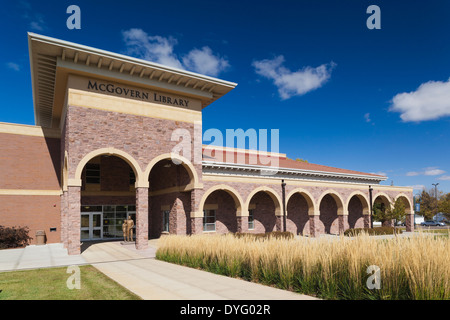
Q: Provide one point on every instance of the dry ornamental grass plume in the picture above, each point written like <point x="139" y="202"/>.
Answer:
<point x="413" y="267"/>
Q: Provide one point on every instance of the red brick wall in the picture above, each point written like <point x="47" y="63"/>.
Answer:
<point x="34" y="212"/>
<point x="143" y="138"/>
<point x="30" y="163"/>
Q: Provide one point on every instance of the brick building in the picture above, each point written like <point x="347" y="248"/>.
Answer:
<point x="103" y="148"/>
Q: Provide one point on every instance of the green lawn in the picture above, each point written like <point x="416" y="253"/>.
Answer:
<point x="51" y="284"/>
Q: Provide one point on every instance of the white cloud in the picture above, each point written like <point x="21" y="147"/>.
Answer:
<point x="291" y="83"/>
<point x="161" y="50"/>
<point x="430" y="101"/>
<point x="205" y="62"/>
<point x="367" y="117"/>
<point x="445" y="177"/>
<point x="429" y="171"/>
<point x="13" y="66"/>
<point x="153" y="48"/>
<point x="433" y="171"/>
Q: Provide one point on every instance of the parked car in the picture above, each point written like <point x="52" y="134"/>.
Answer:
<point x="432" y="223"/>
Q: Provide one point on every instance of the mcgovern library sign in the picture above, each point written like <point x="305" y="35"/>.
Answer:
<point x="136" y="94"/>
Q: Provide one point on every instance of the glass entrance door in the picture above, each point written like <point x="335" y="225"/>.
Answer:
<point x="91" y="225"/>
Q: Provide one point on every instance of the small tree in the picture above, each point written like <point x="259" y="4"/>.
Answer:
<point x="379" y="212"/>
<point x="444" y="205"/>
<point x="397" y="212"/>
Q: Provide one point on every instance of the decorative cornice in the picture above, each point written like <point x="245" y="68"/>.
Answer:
<point x="222" y="168"/>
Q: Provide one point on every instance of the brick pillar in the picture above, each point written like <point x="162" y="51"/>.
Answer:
<point x="196" y="225"/>
<point x="409" y="222"/>
<point x="141" y="218"/>
<point x="242" y="224"/>
<point x="366" y="221"/>
<point x="73" y="220"/>
<point x="64" y="210"/>
<point x="279" y="223"/>
<point x="196" y="217"/>
<point x="343" y="223"/>
<point x="314" y="222"/>
<point x="177" y="218"/>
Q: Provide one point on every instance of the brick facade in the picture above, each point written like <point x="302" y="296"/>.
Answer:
<point x="312" y="208"/>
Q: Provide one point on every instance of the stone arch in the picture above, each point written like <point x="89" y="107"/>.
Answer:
<point x="239" y="203"/>
<point x="358" y="210"/>
<point x="308" y="197"/>
<point x="364" y="201"/>
<point x="272" y="194"/>
<point x="408" y="204"/>
<point x="300" y="207"/>
<point x="341" y="209"/>
<point x="113" y="152"/>
<point x="264" y="207"/>
<point x="176" y="159"/>
<point x="386" y="202"/>
<point x="383" y="197"/>
<point x="331" y="211"/>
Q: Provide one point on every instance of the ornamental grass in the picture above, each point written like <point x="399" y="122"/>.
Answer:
<point x="415" y="267"/>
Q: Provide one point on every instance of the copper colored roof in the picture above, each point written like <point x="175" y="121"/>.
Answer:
<point x="253" y="158"/>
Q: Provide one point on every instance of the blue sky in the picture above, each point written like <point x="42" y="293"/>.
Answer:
<point x="340" y="94"/>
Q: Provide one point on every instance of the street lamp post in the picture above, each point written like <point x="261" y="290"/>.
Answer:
<point x="371" y="209"/>
<point x="283" y="189"/>
<point x="435" y="195"/>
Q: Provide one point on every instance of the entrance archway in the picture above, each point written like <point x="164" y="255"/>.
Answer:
<point x="170" y="186"/>
<point x="108" y="197"/>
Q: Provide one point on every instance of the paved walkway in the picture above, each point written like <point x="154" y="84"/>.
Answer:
<point x="142" y="274"/>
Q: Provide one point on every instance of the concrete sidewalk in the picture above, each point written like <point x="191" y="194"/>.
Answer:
<point x="34" y="257"/>
<point x="152" y="279"/>
<point x="141" y="273"/>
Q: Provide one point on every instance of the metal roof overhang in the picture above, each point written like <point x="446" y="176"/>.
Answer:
<point x="52" y="59"/>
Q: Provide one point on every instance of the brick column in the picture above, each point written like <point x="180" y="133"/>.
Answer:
<point x="73" y="220"/>
<point x="242" y="224"/>
<point x="196" y="225"/>
<point x="314" y="222"/>
<point x="141" y="218"/>
<point x="177" y="218"/>
<point x="409" y="222"/>
<point x="366" y="221"/>
<point x="196" y="217"/>
<point x="64" y="209"/>
<point x="343" y="223"/>
<point x="279" y="223"/>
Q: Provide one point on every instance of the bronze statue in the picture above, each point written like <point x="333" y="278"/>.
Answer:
<point x="127" y="228"/>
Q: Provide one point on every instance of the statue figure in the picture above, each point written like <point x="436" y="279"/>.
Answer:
<point x="129" y="230"/>
<point x="124" y="230"/>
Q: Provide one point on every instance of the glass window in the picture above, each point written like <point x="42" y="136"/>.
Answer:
<point x="85" y="221"/>
<point x="166" y="214"/>
<point x="209" y="220"/>
<point x="251" y="221"/>
<point x="93" y="173"/>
